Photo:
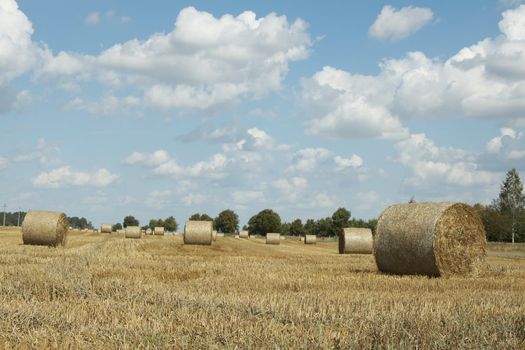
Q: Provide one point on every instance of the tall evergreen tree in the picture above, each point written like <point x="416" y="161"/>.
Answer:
<point x="511" y="201"/>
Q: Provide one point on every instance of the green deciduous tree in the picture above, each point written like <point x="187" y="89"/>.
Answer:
<point x="325" y="227"/>
<point x="265" y="221"/>
<point x="297" y="228"/>
<point x="130" y="221"/>
<point x="309" y="227"/>
<point x="201" y="217"/>
<point x="340" y="219"/>
<point x="170" y="224"/>
<point x="511" y="201"/>
<point x="155" y="223"/>
<point x="226" y="221"/>
<point x="498" y="227"/>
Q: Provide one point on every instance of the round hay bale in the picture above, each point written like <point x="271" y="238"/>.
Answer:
<point x="198" y="232"/>
<point x="282" y="238"/>
<point x="106" y="228"/>
<point x="237" y="236"/>
<point x="159" y="231"/>
<point x="121" y="230"/>
<point x="214" y="235"/>
<point x="133" y="232"/>
<point x="273" y="238"/>
<point x="244" y="234"/>
<point x="356" y="240"/>
<point x="45" y="228"/>
<point x="434" y="239"/>
<point x="220" y="234"/>
<point x="310" y="239"/>
<point x="149" y="231"/>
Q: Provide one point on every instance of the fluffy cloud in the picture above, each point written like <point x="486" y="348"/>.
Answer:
<point x="197" y="65"/>
<point x="392" y="24"/>
<point x="162" y="163"/>
<point x="507" y="150"/>
<point x="307" y="159"/>
<point x="485" y="80"/>
<point x="43" y="153"/>
<point x="108" y="105"/>
<point x="431" y="165"/>
<point x="18" y="53"/>
<point x="291" y="188"/>
<point x="343" y="163"/>
<point x="66" y="177"/>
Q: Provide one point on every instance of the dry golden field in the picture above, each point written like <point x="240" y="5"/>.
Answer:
<point x="104" y="291"/>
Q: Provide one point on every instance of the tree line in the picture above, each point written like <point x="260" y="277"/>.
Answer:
<point x="16" y="218"/>
<point x="504" y="218"/>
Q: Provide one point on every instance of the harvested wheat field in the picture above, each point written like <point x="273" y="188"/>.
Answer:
<point x="105" y="291"/>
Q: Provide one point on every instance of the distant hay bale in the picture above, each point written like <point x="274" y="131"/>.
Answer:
<point x="237" y="236"/>
<point x="310" y="239"/>
<point x="121" y="230"/>
<point x="273" y="238"/>
<point x="106" y="228"/>
<point x="301" y="239"/>
<point x="220" y="234"/>
<point x="159" y="231"/>
<point x="214" y="235"/>
<point x="45" y="228"/>
<point x="244" y="234"/>
<point x="133" y="232"/>
<point x="198" y="232"/>
<point x="356" y="240"/>
<point x="434" y="239"/>
<point x="149" y="231"/>
<point x="282" y="238"/>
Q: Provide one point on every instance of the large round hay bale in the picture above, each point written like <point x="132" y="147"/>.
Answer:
<point x="273" y="238"/>
<point x="45" y="228"/>
<point x="159" y="231"/>
<point x="133" y="232"/>
<point x="310" y="239"/>
<point x="244" y="234"/>
<point x="198" y="232"/>
<point x="214" y="235"/>
<point x="106" y="228"/>
<point x="356" y="240"/>
<point x="434" y="239"/>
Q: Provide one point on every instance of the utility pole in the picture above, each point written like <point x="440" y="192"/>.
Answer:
<point x="4" y="212"/>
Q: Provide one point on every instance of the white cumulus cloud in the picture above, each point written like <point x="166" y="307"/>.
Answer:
<point x="353" y="162"/>
<point x="162" y="163"/>
<point x="197" y="65"/>
<point x="484" y="80"/>
<point x="307" y="159"/>
<point x="66" y="177"/>
<point x="432" y="165"/>
<point x="393" y="24"/>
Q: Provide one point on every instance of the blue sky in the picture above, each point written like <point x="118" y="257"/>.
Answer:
<point x="110" y="108"/>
